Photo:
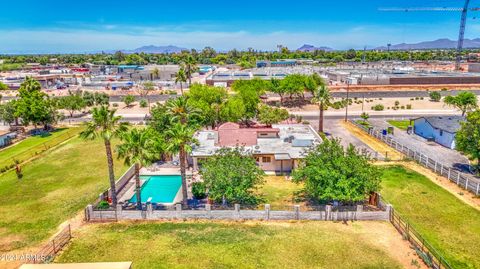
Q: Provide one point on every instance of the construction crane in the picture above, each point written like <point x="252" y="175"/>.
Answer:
<point x="463" y="22"/>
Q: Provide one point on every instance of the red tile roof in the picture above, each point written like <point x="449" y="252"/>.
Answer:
<point x="230" y="134"/>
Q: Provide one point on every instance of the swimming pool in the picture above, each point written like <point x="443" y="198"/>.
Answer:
<point x="162" y="188"/>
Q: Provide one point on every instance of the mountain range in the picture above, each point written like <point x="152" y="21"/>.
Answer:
<point x="443" y="43"/>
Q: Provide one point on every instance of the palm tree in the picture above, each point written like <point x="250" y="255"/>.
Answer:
<point x="181" y="139"/>
<point x="181" y="111"/>
<point x="136" y="149"/>
<point x="190" y="67"/>
<point x="181" y="77"/>
<point x="321" y="96"/>
<point x="106" y="125"/>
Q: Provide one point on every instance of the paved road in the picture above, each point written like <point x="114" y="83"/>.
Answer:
<point x="433" y="150"/>
<point x="367" y="94"/>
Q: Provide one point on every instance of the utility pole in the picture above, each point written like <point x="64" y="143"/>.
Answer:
<point x="348" y="97"/>
<point x="461" y="35"/>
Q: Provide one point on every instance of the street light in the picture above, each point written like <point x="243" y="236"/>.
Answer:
<point x="346" y="107"/>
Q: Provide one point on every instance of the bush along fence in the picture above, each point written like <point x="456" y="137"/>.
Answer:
<point x="465" y="181"/>
<point x="50" y="250"/>
<point x="328" y="213"/>
<point x="424" y="250"/>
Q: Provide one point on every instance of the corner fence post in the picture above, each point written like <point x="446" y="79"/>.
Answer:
<point x="328" y="211"/>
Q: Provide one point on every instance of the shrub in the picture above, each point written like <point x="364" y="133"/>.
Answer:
<point x="378" y="107"/>
<point x="199" y="190"/>
<point x="115" y="105"/>
<point x="435" y="96"/>
<point x="143" y="103"/>
<point x="444" y="89"/>
<point x="402" y="107"/>
<point x="397" y="103"/>
<point x="409" y="106"/>
<point x="103" y="205"/>
<point x="421" y="98"/>
<point x="417" y="98"/>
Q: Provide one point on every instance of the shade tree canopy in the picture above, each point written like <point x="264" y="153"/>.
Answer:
<point x="331" y="172"/>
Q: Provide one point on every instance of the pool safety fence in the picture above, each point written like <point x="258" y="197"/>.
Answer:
<point x="295" y="212"/>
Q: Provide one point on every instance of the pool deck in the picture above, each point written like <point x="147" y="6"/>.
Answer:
<point x="153" y="171"/>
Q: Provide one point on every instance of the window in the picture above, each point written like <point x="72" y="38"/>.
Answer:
<point x="266" y="159"/>
<point x="257" y="159"/>
<point x="441" y="132"/>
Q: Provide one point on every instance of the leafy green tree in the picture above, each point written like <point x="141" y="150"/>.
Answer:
<point x="137" y="148"/>
<point x="332" y="173"/>
<point x="95" y="99"/>
<point x="271" y="115"/>
<point x="275" y="86"/>
<point x="464" y="101"/>
<point x="233" y="110"/>
<point x="181" y="77"/>
<point x="467" y="139"/>
<point x="144" y="89"/>
<point x="294" y="84"/>
<point x="180" y="140"/>
<point x="128" y="100"/>
<point x="208" y="101"/>
<point x="435" y="96"/>
<point x="249" y="91"/>
<point x="72" y="102"/>
<point x="232" y="176"/>
<point x="180" y="111"/>
<point x="7" y="112"/>
<point x="33" y="106"/>
<point x="321" y="96"/>
<point x="107" y="126"/>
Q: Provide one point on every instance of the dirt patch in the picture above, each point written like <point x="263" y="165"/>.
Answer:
<point x="372" y="142"/>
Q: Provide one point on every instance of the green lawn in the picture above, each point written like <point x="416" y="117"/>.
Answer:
<point x="400" y="124"/>
<point x="234" y="245"/>
<point x="33" y="145"/>
<point x="450" y="225"/>
<point x="280" y="192"/>
<point x="54" y="188"/>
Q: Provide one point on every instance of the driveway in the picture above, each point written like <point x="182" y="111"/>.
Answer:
<point x="433" y="150"/>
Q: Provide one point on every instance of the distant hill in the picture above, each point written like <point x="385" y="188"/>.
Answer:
<point x="443" y="43"/>
<point x="150" y="49"/>
<point x="159" y="49"/>
<point x="311" y="48"/>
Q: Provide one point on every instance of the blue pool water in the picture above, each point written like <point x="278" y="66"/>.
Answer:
<point x="162" y="188"/>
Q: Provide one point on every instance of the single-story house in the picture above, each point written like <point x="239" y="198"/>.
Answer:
<point x="6" y="138"/>
<point x="441" y="129"/>
<point x="276" y="149"/>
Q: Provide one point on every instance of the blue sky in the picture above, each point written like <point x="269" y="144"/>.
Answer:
<point x="50" y="26"/>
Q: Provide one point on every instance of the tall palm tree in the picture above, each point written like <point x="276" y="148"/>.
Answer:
<point x="181" y="111"/>
<point x="190" y="66"/>
<point x="105" y="125"/>
<point x="181" y="77"/>
<point x="321" y="97"/>
<point x="181" y="139"/>
<point x="136" y="149"/>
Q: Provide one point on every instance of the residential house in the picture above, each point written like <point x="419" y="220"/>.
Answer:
<point x="277" y="149"/>
<point x="441" y="129"/>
